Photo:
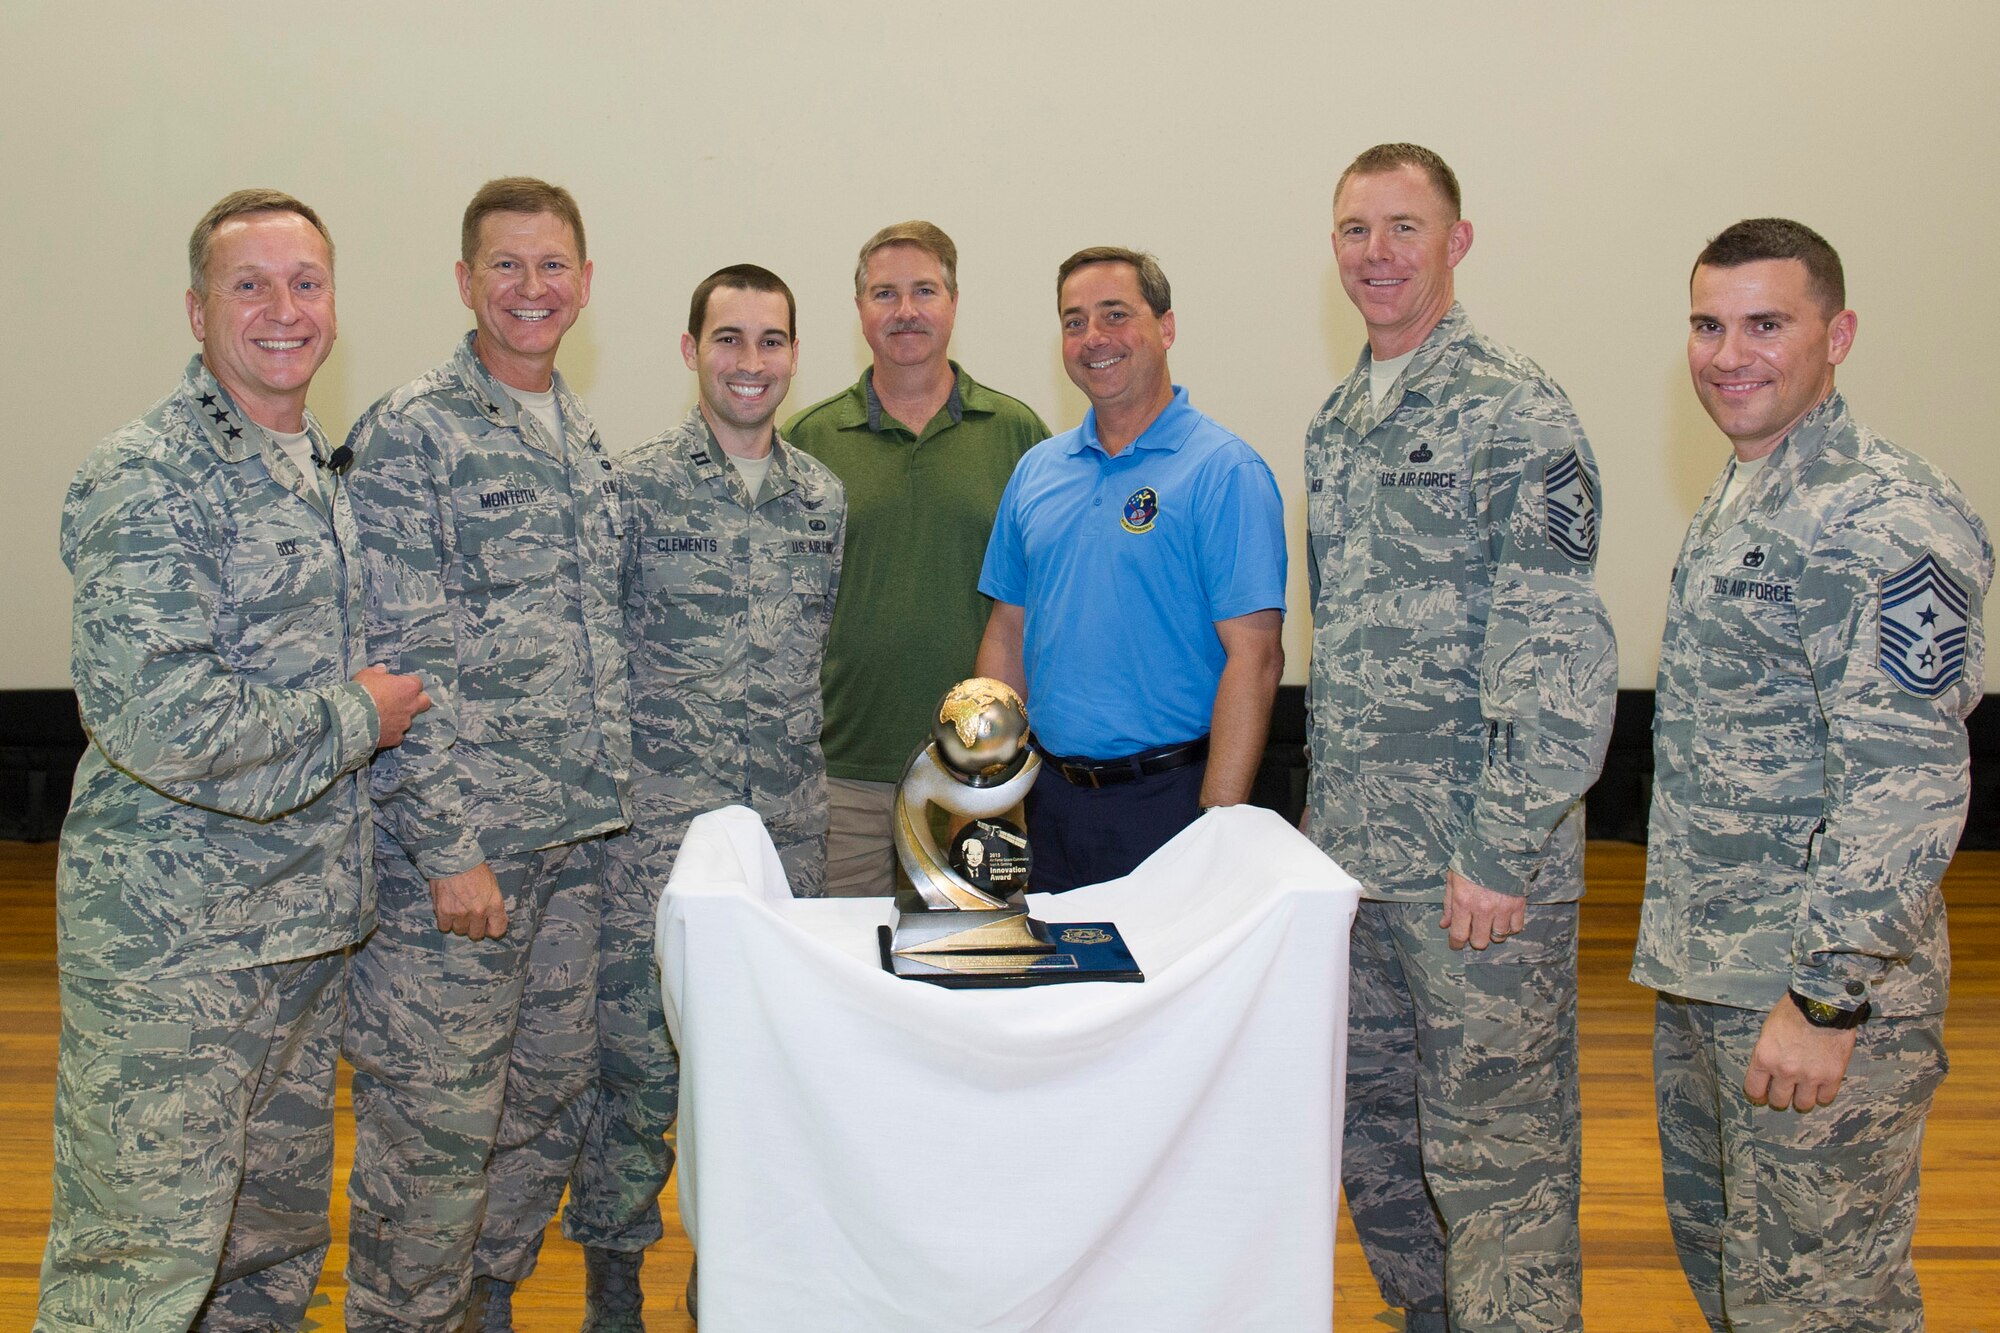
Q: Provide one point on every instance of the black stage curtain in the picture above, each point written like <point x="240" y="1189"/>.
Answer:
<point x="41" y="740"/>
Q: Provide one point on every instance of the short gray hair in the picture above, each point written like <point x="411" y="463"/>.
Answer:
<point x="235" y="206"/>
<point x="926" y="236"/>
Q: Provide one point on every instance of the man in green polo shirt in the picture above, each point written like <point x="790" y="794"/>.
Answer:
<point x="920" y="504"/>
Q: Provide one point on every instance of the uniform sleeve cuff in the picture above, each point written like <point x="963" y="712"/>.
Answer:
<point x="356" y="724"/>
<point x="1490" y="868"/>
<point x="1844" y="981"/>
<point x="453" y="858"/>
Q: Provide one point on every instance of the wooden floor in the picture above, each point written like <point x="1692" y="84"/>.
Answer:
<point x="1631" y="1285"/>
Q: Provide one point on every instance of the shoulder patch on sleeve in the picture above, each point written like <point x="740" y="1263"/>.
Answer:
<point x="1923" y="628"/>
<point x="1571" y="498"/>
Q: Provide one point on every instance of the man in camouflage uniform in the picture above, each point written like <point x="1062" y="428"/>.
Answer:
<point x="215" y="863"/>
<point x="921" y="500"/>
<point x="1823" y="647"/>
<point x="490" y="532"/>
<point x="732" y="559"/>
<point x="1463" y="678"/>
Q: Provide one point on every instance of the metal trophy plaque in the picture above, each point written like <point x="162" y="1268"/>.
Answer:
<point x="961" y="920"/>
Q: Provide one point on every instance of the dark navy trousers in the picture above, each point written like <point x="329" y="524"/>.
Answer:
<point x="1083" y="835"/>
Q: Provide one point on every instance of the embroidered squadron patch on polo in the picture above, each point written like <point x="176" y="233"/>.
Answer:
<point x="1923" y="628"/>
<point x="1140" y="510"/>
<point x="1571" y="499"/>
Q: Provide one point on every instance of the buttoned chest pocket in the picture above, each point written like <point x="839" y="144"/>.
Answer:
<point x="809" y="567"/>
<point x="281" y="608"/>
<point x="1756" y="736"/>
<point x="510" y="534"/>
<point x="1421" y="505"/>
<point x="791" y="603"/>
<point x="674" y="564"/>
<point x="1420" y="552"/>
<point x="1412" y="481"/>
<point x="686" y="612"/>
<point x="1743" y="596"/>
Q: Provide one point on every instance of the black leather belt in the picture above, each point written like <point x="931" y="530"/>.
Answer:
<point x="1110" y="772"/>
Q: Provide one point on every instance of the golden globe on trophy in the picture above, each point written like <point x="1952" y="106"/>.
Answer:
<point x="961" y="920"/>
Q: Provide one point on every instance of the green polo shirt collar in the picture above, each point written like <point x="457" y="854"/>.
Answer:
<point x="860" y="408"/>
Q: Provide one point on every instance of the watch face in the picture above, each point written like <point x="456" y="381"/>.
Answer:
<point x="1824" y="1015"/>
<point x="992" y="854"/>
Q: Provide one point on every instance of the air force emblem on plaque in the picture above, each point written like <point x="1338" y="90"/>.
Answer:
<point x="1572" y="506"/>
<point x="1141" y="509"/>
<point x="1923" y="628"/>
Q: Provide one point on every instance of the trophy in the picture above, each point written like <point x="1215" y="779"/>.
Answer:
<point x="961" y="920"/>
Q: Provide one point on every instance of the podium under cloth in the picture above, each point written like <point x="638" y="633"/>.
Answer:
<point x="859" y="1152"/>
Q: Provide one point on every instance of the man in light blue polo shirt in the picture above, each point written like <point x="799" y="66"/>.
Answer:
<point x="1137" y="569"/>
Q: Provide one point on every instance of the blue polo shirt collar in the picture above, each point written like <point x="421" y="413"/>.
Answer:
<point x="1167" y="433"/>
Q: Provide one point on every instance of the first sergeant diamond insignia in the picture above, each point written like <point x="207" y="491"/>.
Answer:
<point x="1571" y="499"/>
<point x="1923" y="628"/>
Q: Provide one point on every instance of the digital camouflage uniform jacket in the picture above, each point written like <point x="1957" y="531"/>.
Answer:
<point x="219" y="820"/>
<point x="492" y="560"/>
<point x="727" y="608"/>
<point x="1463" y="667"/>
<point x="1823" y="649"/>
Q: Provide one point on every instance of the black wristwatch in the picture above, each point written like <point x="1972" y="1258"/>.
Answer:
<point x="1823" y="1015"/>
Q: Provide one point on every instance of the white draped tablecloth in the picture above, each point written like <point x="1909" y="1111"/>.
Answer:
<point x="859" y="1152"/>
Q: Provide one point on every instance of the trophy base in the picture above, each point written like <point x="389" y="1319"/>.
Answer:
<point x="1079" y="951"/>
<point x="1001" y="931"/>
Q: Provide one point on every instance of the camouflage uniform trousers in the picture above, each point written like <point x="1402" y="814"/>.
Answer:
<point x="193" y="1148"/>
<point x="474" y="1063"/>
<point x="1789" y="1221"/>
<point x="1462" y="1158"/>
<point x="614" y="1192"/>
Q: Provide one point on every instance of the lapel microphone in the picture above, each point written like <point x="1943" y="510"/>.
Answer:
<point x="338" y="463"/>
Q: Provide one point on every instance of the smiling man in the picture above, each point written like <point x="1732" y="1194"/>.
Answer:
<point x="1460" y="701"/>
<point x="1824" y="645"/>
<point x="491" y="532"/>
<point x="1137" y="571"/>
<point x="924" y="452"/>
<point x="732" y="559"/>
<point x="215" y="863"/>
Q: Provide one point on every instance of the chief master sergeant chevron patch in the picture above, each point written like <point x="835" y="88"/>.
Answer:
<point x="1923" y="628"/>
<point x="1572" y="508"/>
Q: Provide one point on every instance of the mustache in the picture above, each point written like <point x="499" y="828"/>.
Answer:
<point x="906" y="326"/>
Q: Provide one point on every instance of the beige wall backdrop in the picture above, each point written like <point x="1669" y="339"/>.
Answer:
<point x="1599" y="145"/>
